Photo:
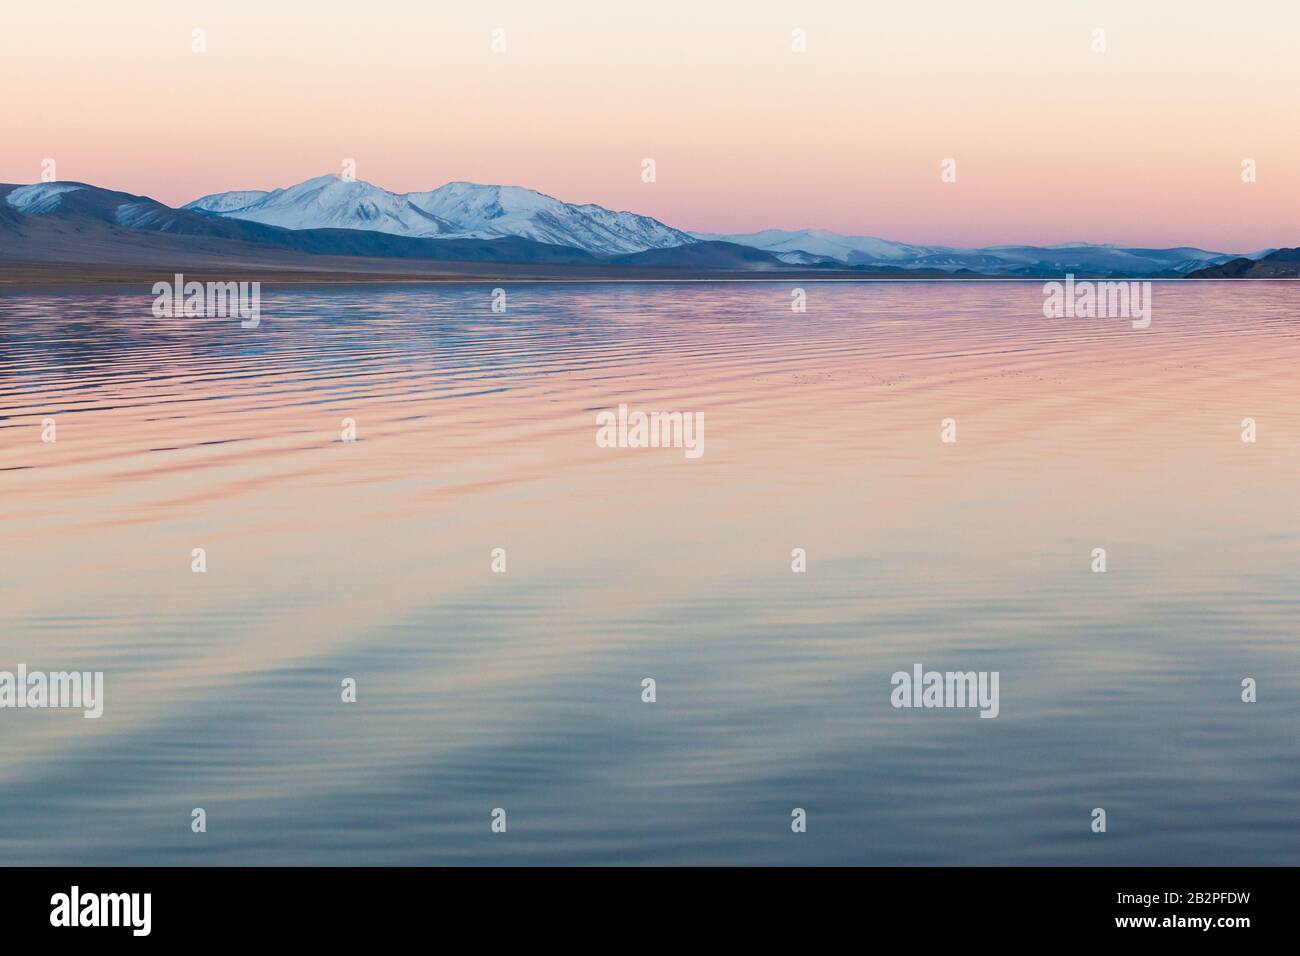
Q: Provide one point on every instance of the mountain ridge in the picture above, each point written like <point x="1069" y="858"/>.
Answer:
<point x="78" y="222"/>
<point x="456" y="210"/>
<point x="468" y="222"/>
<point x="1277" y="264"/>
<point x="806" y="246"/>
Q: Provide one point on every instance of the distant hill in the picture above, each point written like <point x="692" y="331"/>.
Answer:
<point x="703" y="255"/>
<point x="809" y="246"/>
<point x="1280" y="264"/>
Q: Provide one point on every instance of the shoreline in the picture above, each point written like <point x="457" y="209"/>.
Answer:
<point x="17" y="275"/>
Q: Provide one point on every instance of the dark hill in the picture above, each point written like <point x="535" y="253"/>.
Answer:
<point x="1282" y="264"/>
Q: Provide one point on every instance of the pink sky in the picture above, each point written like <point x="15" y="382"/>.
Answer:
<point x="1142" y="144"/>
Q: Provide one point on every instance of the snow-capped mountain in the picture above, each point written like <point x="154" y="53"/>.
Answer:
<point x="468" y="222"/>
<point x="453" y="211"/>
<point x="228" y="202"/>
<point x="485" y="212"/>
<point x="326" y="202"/>
<point x="824" y="244"/>
<point x="78" y="222"/>
<point x="39" y="198"/>
<point x="1101" y="259"/>
<point x="810" y="246"/>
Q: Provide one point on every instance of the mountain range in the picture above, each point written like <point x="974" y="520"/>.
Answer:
<point x="453" y="211"/>
<point x="813" y="246"/>
<point x="329" y="216"/>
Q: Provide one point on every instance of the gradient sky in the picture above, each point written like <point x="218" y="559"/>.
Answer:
<point x="1140" y="145"/>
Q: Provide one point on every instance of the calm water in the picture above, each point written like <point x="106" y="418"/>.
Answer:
<point x="372" y="560"/>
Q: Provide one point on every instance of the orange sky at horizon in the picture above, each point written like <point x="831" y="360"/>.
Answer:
<point x="1142" y="144"/>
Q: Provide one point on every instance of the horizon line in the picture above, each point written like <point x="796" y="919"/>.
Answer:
<point x="694" y="233"/>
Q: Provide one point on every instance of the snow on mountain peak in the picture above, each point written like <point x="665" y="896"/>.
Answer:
<point x="822" y="242"/>
<point x="39" y="197"/>
<point x="227" y="202"/>
<point x="458" y="210"/>
<point x="326" y="202"/>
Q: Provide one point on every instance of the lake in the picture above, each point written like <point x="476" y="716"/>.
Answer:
<point x="512" y="679"/>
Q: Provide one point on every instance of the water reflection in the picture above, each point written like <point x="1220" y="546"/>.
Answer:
<point x="522" y="690"/>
